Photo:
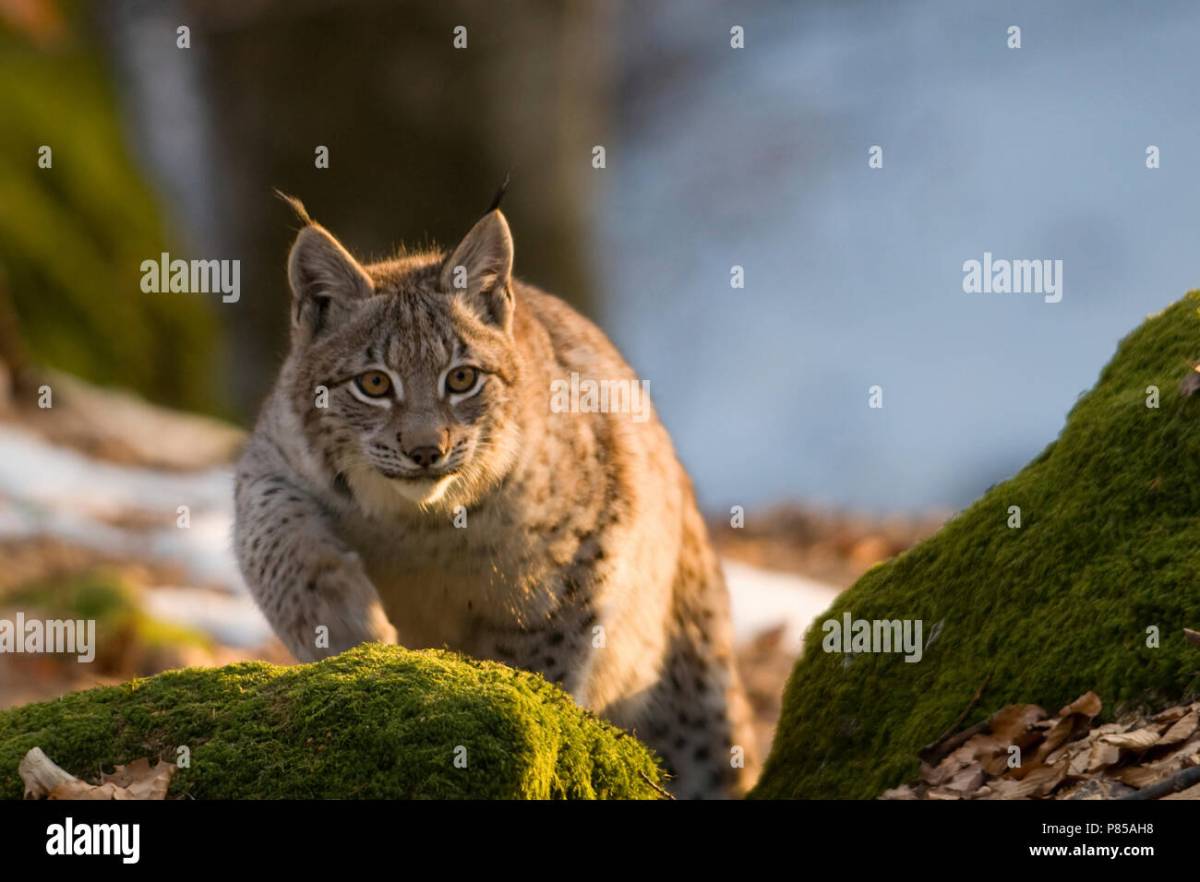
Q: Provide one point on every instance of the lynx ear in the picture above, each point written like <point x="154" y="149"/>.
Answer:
<point x="326" y="281"/>
<point x="481" y="269"/>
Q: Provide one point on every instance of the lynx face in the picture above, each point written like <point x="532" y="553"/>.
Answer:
<point x="419" y="362"/>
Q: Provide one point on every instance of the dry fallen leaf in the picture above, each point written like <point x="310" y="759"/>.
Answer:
<point x="1011" y="724"/>
<point x="933" y="775"/>
<point x="988" y="750"/>
<point x="1186" y="755"/>
<point x="81" y="790"/>
<point x="1138" y="776"/>
<point x="1137" y="740"/>
<point x="1040" y="782"/>
<point x="138" y="780"/>
<point x="1102" y="755"/>
<point x="967" y="780"/>
<point x="1171" y="714"/>
<point x="1074" y="722"/>
<point x="141" y="780"/>
<point x="1183" y="729"/>
<point x="1088" y="704"/>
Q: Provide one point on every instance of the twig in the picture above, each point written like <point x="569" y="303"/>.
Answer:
<point x="666" y="794"/>
<point x="1178" y="781"/>
<point x="948" y="740"/>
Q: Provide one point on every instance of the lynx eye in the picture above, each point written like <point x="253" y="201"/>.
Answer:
<point x="375" y="384"/>
<point x="461" y="379"/>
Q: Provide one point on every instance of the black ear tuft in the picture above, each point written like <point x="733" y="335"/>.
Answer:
<point x="500" y="193"/>
<point x="296" y="205"/>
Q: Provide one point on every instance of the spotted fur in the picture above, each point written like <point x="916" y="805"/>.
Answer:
<point x="565" y="543"/>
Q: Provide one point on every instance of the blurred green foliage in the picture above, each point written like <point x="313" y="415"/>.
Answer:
<point x="124" y="630"/>
<point x="73" y="236"/>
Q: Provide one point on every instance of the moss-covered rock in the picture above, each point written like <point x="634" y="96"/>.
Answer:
<point x="374" y="722"/>
<point x="1108" y="547"/>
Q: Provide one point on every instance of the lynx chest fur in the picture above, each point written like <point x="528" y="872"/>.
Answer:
<point x="451" y="458"/>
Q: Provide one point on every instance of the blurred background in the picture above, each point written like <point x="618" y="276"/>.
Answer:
<point x="715" y="157"/>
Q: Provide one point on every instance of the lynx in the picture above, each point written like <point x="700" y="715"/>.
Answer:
<point x="408" y="482"/>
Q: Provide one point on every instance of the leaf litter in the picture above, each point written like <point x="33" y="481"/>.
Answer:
<point x="1021" y="752"/>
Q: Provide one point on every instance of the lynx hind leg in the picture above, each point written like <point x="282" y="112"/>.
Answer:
<point x="698" y="719"/>
<point x="698" y="722"/>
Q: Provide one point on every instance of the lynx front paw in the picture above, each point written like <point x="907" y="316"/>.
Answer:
<point x="343" y="610"/>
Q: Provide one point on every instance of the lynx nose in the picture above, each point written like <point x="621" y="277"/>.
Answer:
<point x="424" y="456"/>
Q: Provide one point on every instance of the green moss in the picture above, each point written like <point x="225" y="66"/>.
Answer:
<point x="73" y="236"/>
<point x="1109" y="545"/>
<point x="374" y="722"/>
